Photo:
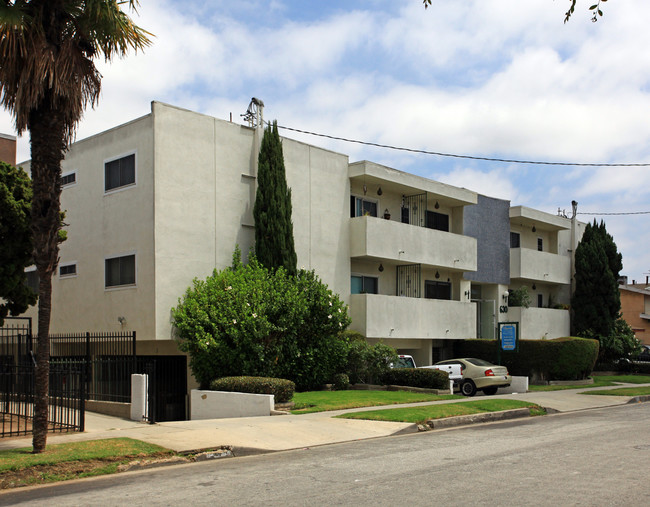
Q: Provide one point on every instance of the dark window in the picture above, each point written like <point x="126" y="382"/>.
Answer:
<point x="437" y="290"/>
<point x="405" y="215"/>
<point x="360" y="207"/>
<point x="32" y="280"/>
<point x="514" y="240"/>
<point x="437" y="221"/>
<point x="364" y="285"/>
<point x="540" y="244"/>
<point x="119" y="173"/>
<point x="68" y="179"/>
<point x="68" y="270"/>
<point x="540" y="301"/>
<point x="120" y="271"/>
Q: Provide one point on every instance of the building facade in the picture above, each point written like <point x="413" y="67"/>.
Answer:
<point x="163" y="199"/>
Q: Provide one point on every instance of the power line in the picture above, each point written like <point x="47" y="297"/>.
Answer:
<point x="621" y="213"/>
<point x="452" y="155"/>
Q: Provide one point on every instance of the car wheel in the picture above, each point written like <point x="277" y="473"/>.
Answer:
<point x="468" y="388"/>
<point x="490" y="391"/>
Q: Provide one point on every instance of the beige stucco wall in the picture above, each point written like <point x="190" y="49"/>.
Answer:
<point x="104" y="225"/>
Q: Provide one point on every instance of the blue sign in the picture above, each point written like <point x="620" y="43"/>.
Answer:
<point x="508" y="336"/>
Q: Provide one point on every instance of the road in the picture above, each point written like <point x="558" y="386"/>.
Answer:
<point x="591" y="458"/>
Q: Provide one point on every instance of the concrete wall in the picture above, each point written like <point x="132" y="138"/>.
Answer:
<point x="540" y="323"/>
<point x="222" y="405"/>
<point x="106" y="224"/>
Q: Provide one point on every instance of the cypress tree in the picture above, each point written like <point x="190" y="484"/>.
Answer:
<point x="596" y="302"/>
<point x="274" y="246"/>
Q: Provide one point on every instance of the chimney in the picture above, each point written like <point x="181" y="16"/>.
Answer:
<point x="8" y="149"/>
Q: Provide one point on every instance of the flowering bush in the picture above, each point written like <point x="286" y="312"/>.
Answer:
<point x="247" y="320"/>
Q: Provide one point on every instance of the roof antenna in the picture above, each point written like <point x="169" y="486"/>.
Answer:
<point x="254" y="115"/>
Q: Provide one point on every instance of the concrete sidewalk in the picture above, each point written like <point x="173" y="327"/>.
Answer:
<point x="249" y="435"/>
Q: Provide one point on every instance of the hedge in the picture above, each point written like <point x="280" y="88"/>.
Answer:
<point x="542" y="360"/>
<point x="282" y="389"/>
<point x="416" y="377"/>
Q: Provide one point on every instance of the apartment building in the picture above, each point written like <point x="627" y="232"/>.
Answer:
<point x="165" y="198"/>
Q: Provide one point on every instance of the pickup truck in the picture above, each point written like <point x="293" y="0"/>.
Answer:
<point x="453" y="370"/>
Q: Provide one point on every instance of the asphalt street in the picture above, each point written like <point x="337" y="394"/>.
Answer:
<point x="590" y="457"/>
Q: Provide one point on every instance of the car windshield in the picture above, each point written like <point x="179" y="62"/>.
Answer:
<point x="478" y="362"/>
<point x="404" y="362"/>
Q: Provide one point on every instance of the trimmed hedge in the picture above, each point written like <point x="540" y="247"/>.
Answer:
<point x="282" y="389"/>
<point x="416" y="377"/>
<point x="559" y="359"/>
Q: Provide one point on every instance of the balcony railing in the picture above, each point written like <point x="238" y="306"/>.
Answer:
<point x="540" y="323"/>
<point x="388" y="239"/>
<point x="539" y="266"/>
<point x="379" y="316"/>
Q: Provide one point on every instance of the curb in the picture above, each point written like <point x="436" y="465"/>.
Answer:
<point x="639" y="399"/>
<point x="462" y="420"/>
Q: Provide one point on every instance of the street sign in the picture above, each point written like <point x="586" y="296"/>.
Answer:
<point x="509" y="335"/>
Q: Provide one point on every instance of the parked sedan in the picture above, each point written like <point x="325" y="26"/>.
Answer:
<point x="478" y="374"/>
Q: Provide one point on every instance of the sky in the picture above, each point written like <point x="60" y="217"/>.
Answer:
<point x="501" y="79"/>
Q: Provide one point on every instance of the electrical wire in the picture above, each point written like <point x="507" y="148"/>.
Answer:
<point x="619" y="213"/>
<point x="468" y="157"/>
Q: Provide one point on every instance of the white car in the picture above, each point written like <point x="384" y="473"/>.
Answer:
<point x="478" y="374"/>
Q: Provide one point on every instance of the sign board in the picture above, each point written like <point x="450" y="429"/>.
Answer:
<point x="509" y="335"/>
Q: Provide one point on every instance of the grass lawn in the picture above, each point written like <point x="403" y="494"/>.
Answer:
<point x="19" y="467"/>
<point x="599" y="381"/>
<point x="321" y="401"/>
<point x="623" y="391"/>
<point x="420" y="415"/>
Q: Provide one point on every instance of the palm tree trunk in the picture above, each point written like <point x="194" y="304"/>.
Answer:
<point x="48" y="147"/>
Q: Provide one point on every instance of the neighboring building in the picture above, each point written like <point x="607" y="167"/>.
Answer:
<point x="163" y="199"/>
<point x="8" y="149"/>
<point x="635" y="309"/>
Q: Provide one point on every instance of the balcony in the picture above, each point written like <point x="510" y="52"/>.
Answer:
<point x="533" y="265"/>
<point x="538" y="323"/>
<point x="379" y="316"/>
<point x="377" y="238"/>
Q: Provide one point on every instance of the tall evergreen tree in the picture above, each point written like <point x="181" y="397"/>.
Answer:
<point x="596" y="302"/>
<point x="274" y="246"/>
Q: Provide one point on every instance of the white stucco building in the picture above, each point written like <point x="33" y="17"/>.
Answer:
<point x="165" y="198"/>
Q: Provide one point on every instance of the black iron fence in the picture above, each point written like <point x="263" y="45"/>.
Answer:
<point x="66" y="404"/>
<point x="104" y="362"/>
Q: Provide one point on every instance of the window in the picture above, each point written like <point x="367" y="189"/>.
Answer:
<point x="68" y="179"/>
<point x="67" y="270"/>
<point x="514" y="240"/>
<point x="437" y="290"/>
<point x="438" y="221"/>
<point x="31" y="279"/>
<point x="119" y="172"/>
<point x="540" y="300"/>
<point x="120" y="271"/>
<point x="540" y="244"/>
<point x="364" y="284"/>
<point x="360" y="206"/>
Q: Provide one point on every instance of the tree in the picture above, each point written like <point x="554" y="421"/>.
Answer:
<point x="595" y="8"/>
<point x="596" y="302"/>
<point x="274" y="246"/>
<point x="47" y="78"/>
<point x="250" y="320"/>
<point x="15" y="240"/>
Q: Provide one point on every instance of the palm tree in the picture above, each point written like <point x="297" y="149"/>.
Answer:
<point x="47" y="78"/>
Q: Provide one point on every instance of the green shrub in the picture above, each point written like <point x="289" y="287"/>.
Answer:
<point x="519" y="297"/>
<point x="282" y="389"/>
<point x="247" y="320"/>
<point x="559" y="359"/>
<point x="366" y="363"/>
<point x="416" y="377"/>
<point x="340" y="382"/>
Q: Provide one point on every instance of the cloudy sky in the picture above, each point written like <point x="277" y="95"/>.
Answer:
<point x="491" y="78"/>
